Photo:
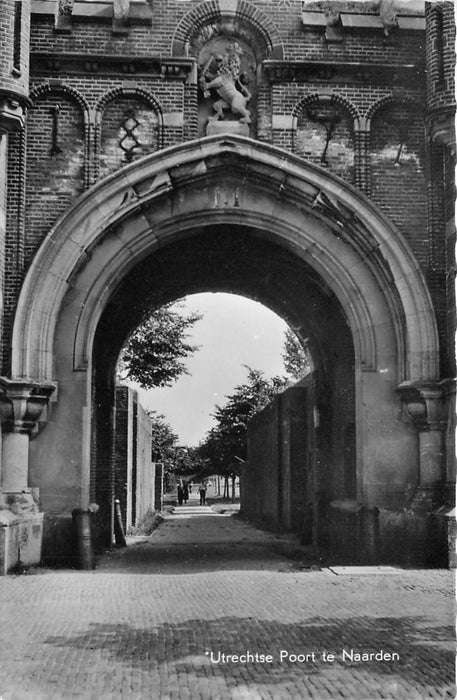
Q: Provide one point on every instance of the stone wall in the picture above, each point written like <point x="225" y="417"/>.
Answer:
<point x="277" y="480"/>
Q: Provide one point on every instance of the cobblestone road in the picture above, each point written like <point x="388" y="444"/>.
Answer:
<point x="154" y="621"/>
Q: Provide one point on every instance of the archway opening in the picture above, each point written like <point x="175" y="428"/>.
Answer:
<point x="245" y="261"/>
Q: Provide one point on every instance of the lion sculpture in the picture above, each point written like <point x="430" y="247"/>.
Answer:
<point x="229" y="83"/>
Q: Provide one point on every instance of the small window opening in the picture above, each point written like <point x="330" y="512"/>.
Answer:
<point x="439" y="48"/>
<point x="17" y="37"/>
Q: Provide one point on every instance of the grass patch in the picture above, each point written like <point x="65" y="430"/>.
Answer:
<point x="147" y="524"/>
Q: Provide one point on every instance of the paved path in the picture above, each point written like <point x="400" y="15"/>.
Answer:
<point x="159" y="621"/>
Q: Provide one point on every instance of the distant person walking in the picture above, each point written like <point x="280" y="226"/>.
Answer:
<point x="180" y="493"/>
<point x="202" y="492"/>
<point x="185" y="491"/>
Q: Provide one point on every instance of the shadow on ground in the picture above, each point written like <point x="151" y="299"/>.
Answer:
<point x="425" y="668"/>
<point x="147" y="558"/>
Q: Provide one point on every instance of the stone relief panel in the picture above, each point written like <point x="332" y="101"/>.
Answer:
<point x="129" y="130"/>
<point x="227" y="65"/>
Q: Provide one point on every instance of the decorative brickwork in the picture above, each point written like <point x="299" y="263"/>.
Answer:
<point x="128" y="126"/>
<point x="229" y="17"/>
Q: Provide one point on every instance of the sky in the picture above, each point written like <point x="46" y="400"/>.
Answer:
<point x="234" y="331"/>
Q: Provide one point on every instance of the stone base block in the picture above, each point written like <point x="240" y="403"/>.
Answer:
<point x="21" y="538"/>
<point x="227" y="127"/>
<point x="413" y="538"/>
<point x="446" y="525"/>
<point x="59" y="546"/>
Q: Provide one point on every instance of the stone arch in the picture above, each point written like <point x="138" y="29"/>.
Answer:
<point x="326" y="197"/>
<point x="231" y="191"/>
<point x="213" y="11"/>
<point x="124" y="93"/>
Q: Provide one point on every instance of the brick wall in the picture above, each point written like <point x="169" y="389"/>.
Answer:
<point x="130" y="129"/>
<point x="440" y="46"/>
<point x="3" y="202"/>
<point x="397" y="163"/>
<point x="122" y="448"/>
<point x="440" y="51"/>
<point x="55" y="164"/>
<point x="314" y="122"/>
<point x="14" y="242"/>
<point x="134" y="472"/>
<point x="94" y="37"/>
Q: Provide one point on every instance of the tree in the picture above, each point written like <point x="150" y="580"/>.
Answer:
<point x="154" y="353"/>
<point x="176" y="458"/>
<point x="296" y="357"/>
<point x="224" y="448"/>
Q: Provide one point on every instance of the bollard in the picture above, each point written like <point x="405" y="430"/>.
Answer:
<point x="83" y="535"/>
<point x="368" y="535"/>
<point x="119" y="534"/>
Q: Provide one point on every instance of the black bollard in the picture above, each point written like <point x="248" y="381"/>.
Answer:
<point x="119" y="534"/>
<point x="85" y="558"/>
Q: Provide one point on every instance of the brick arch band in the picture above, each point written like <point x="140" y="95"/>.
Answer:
<point x="336" y="230"/>
<point x="376" y="107"/>
<point x="214" y="10"/>
<point x="333" y="98"/>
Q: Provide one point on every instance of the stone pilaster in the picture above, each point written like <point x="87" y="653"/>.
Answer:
<point x="423" y="403"/>
<point x="22" y="407"/>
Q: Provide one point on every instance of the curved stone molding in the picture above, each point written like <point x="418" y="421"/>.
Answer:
<point x="337" y="230"/>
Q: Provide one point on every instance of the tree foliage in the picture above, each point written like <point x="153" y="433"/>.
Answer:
<point x="164" y="440"/>
<point x="295" y="356"/>
<point x="177" y="459"/>
<point x="155" y="352"/>
<point x="224" y="447"/>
